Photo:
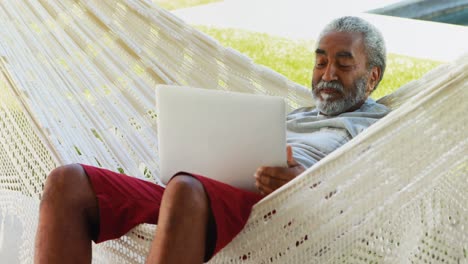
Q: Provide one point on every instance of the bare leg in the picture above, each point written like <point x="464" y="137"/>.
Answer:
<point x="68" y="218"/>
<point x="182" y="227"/>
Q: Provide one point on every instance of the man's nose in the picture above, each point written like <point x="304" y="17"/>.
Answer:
<point x="330" y="73"/>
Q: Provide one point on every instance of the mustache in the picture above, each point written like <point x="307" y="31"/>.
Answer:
<point x="333" y="85"/>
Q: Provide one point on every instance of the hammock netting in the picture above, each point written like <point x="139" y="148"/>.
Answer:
<point x="77" y="85"/>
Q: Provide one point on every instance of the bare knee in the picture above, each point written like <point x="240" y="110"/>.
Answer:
<point x="185" y="194"/>
<point x="67" y="184"/>
<point x="186" y="186"/>
<point x="68" y="194"/>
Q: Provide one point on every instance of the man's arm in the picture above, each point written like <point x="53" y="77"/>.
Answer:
<point x="268" y="179"/>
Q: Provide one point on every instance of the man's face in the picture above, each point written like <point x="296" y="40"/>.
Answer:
<point x="341" y="80"/>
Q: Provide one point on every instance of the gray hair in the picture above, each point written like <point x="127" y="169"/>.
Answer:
<point x="373" y="39"/>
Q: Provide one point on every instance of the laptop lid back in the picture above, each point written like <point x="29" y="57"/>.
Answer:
<point x="221" y="135"/>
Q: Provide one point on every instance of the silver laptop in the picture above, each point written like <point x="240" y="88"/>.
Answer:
<point x="221" y="135"/>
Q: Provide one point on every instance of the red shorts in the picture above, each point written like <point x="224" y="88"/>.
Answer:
<point x="124" y="202"/>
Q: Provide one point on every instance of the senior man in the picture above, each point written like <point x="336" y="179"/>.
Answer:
<point x="197" y="216"/>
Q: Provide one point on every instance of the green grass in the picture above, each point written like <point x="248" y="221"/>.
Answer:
<point x="294" y="58"/>
<point x="176" y="4"/>
<point x="401" y="70"/>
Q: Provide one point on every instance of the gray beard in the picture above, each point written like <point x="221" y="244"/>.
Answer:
<point x="339" y="106"/>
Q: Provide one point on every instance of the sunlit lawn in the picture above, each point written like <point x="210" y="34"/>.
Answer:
<point x="294" y="58"/>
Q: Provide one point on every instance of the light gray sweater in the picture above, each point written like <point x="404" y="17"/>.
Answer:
<point x="313" y="135"/>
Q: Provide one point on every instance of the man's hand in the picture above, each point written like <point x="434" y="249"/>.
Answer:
<point x="268" y="179"/>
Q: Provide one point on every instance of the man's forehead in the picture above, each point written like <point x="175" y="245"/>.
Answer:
<point x="340" y="53"/>
<point x="342" y="44"/>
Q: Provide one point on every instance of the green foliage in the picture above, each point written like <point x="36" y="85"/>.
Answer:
<point x="176" y="4"/>
<point x="294" y="58"/>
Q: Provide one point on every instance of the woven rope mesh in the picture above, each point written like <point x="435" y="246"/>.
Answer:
<point x="77" y="85"/>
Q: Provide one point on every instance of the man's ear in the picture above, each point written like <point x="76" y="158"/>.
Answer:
<point x="374" y="77"/>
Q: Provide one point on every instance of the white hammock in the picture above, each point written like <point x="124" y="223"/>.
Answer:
<point x="77" y="85"/>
